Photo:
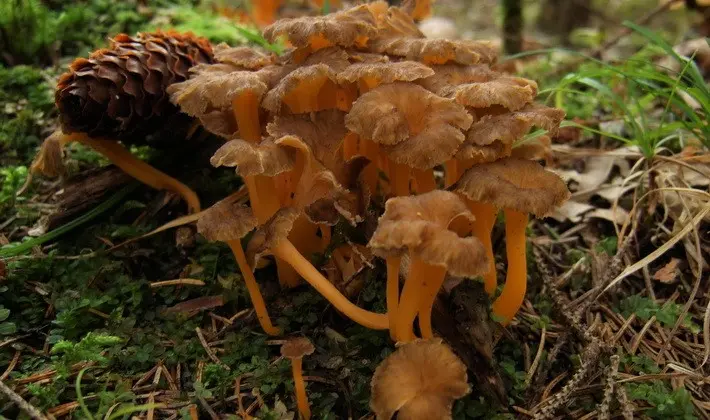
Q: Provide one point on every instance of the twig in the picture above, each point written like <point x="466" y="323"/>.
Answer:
<point x="11" y="366"/>
<point x="209" y="351"/>
<point x="177" y="282"/>
<point x="613" y="371"/>
<point x="590" y="359"/>
<point x="23" y="405"/>
<point x="627" y="409"/>
<point x="538" y="356"/>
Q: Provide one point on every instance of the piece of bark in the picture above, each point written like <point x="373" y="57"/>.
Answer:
<point x="461" y="318"/>
<point x="85" y="191"/>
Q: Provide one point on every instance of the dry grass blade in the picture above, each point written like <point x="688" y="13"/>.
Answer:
<point x="661" y="250"/>
<point x="20" y="402"/>
<point x="177" y="282"/>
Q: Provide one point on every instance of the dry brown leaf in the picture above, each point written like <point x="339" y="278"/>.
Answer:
<point x="198" y="304"/>
<point x="667" y="274"/>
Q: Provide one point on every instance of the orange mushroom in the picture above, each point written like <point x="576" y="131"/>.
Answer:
<point x="294" y="350"/>
<point x="272" y="238"/>
<point x="419" y="381"/>
<point x="416" y="129"/>
<point x="419" y="226"/>
<point x="518" y="187"/>
<point x="228" y="221"/>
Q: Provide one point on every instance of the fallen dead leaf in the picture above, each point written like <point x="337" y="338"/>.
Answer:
<point x="198" y="304"/>
<point x="667" y="274"/>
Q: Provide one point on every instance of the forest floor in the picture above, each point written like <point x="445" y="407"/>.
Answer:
<point x="617" y="316"/>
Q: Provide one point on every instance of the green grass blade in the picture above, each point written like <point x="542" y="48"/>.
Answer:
<point x="24" y="247"/>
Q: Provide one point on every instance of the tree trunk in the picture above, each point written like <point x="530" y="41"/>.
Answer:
<point x="513" y="26"/>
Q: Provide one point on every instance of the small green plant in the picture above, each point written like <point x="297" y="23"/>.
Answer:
<point x="665" y="403"/>
<point x="6" y="327"/>
<point x="645" y="308"/>
<point x="636" y="88"/>
<point x="13" y="177"/>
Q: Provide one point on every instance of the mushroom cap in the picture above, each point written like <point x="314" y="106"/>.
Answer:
<point x="322" y="131"/>
<point x="271" y="233"/>
<point x="398" y="35"/>
<point x="264" y="158"/>
<point x="508" y="127"/>
<point x="226" y="220"/>
<point x="344" y="28"/>
<point x="415" y="127"/>
<point x="304" y="83"/>
<point x="214" y="87"/>
<point x="516" y="184"/>
<point x="245" y="58"/>
<point x="385" y="72"/>
<point x="420" y="224"/>
<point x="296" y="348"/>
<point x="420" y="380"/>
<point x="535" y="149"/>
<point x="480" y="87"/>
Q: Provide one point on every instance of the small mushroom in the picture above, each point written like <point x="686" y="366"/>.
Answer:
<point x="294" y="350"/>
<point x="228" y="221"/>
<point x="519" y="187"/>
<point x="272" y="238"/>
<point x="414" y="127"/>
<point x="419" y="381"/>
<point x="421" y="226"/>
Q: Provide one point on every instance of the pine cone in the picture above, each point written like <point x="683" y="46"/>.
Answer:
<point x="119" y="92"/>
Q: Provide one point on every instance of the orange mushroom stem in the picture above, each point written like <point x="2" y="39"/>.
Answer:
<point x="253" y="288"/>
<point x="295" y="349"/>
<point x="513" y="294"/>
<point x="143" y="172"/>
<point x="299" y="385"/>
<point x="485" y="215"/>
<point x="425" y="181"/>
<point x="393" y="293"/>
<point x="285" y="250"/>
<point x="422" y="284"/>
<point x="399" y="179"/>
<point x="264" y="11"/>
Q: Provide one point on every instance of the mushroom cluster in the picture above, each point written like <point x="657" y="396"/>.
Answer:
<point x="361" y="105"/>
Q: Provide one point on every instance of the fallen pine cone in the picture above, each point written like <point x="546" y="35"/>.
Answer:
<point x="119" y="92"/>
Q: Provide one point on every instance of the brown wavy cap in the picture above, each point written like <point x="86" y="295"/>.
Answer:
<point x="120" y="91"/>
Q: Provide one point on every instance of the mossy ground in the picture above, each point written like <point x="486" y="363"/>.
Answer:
<point x="75" y="302"/>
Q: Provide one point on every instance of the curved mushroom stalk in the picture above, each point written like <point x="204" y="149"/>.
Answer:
<point x="485" y="215"/>
<point x="228" y="221"/>
<point x="513" y="294"/>
<point x="285" y="250"/>
<point x="143" y="172"/>
<point x="253" y="288"/>
<point x="420" y="289"/>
